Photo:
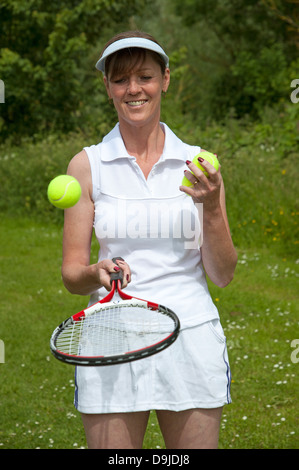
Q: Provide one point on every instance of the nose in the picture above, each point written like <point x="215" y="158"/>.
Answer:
<point x="133" y="86"/>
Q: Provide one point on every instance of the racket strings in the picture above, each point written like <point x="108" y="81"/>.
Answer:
<point x="115" y="331"/>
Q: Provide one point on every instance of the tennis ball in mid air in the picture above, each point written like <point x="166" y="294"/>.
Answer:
<point x="210" y="157"/>
<point x="64" y="191"/>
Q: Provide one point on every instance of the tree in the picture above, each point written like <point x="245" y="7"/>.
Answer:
<point x="241" y="54"/>
<point x="42" y="48"/>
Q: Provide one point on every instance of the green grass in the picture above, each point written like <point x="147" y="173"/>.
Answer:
<point x="259" y="314"/>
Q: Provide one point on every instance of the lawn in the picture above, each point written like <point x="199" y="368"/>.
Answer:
<point x="259" y="312"/>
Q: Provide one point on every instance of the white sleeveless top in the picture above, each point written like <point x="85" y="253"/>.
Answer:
<point x="152" y="225"/>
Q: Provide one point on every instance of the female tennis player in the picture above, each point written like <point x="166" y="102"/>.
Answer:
<point x="170" y="238"/>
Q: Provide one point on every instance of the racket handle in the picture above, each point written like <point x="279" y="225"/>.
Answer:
<point x="117" y="275"/>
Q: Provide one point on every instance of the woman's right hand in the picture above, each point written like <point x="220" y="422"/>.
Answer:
<point x="106" y="267"/>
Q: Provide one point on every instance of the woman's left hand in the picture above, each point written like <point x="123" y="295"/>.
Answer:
<point x="218" y="253"/>
<point x="205" y="189"/>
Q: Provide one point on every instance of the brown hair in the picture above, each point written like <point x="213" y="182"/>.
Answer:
<point x="126" y="60"/>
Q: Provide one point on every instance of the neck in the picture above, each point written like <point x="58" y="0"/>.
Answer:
<point x="145" y="143"/>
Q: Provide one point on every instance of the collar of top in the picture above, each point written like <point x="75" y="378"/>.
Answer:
<point x="128" y="43"/>
<point x="113" y="146"/>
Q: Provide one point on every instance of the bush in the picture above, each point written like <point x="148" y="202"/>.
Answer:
<point x="259" y="167"/>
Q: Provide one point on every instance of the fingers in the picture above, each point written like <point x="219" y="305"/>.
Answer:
<point x="191" y="177"/>
<point x="121" y="264"/>
<point x="203" y="172"/>
<point x="209" y="171"/>
<point x="206" y="182"/>
<point x="107" y="267"/>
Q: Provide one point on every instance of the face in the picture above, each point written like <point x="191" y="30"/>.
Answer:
<point x="137" y="94"/>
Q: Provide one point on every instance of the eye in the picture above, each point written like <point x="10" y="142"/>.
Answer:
<point x="120" y="80"/>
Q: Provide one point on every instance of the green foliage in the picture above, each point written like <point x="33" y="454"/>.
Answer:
<point x="232" y="63"/>
<point x="260" y="171"/>
<point x="259" y="167"/>
<point x="240" y="54"/>
<point x="213" y="83"/>
<point x="43" y="52"/>
<point x="27" y="171"/>
<point x="227" y="58"/>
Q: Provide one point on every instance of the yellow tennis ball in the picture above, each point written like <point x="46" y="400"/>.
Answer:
<point x="210" y="157"/>
<point x="64" y="191"/>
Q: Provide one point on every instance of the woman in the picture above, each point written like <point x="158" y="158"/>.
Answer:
<point x="132" y="196"/>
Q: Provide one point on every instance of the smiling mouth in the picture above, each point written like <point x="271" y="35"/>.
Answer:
<point x="136" y="103"/>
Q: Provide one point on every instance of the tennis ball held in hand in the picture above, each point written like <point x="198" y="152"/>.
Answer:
<point x="64" y="191"/>
<point x="210" y="157"/>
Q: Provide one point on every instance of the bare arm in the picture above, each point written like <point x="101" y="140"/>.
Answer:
<point x="218" y="253"/>
<point x="79" y="276"/>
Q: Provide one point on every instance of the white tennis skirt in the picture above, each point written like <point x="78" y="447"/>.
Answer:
<point x="193" y="372"/>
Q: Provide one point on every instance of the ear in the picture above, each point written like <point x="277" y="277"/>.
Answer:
<point x="166" y="80"/>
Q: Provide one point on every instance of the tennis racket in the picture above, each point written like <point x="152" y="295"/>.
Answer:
<point x="117" y="329"/>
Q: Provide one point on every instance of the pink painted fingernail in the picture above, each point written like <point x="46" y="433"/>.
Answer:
<point x="200" y="159"/>
<point x="188" y="162"/>
<point x="116" y="268"/>
<point x="128" y="277"/>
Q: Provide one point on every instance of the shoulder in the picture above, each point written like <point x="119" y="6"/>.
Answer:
<point x="174" y="146"/>
<point x="79" y="167"/>
<point x="79" y="162"/>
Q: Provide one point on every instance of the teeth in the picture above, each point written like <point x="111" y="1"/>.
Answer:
<point x="136" y="103"/>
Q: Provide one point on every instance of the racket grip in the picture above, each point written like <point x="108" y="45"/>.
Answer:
<point x="117" y="275"/>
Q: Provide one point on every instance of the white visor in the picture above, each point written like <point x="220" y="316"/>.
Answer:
<point x="128" y="43"/>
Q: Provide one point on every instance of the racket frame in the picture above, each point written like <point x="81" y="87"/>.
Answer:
<point x="121" y="358"/>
